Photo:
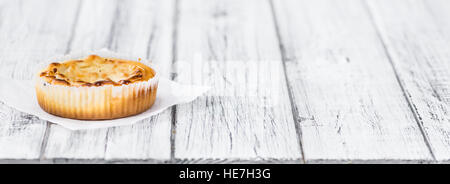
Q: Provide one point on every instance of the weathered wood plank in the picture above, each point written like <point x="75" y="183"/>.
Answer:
<point x="92" y="31"/>
<point x="232" y="46"/>
<point x="141" y="28"/>
<point x="416" y="36"/>
<point x="29" y="31"/>
<point x="349" y="104"/>
<point x="147" y="31"/>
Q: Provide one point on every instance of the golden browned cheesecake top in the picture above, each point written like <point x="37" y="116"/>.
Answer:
<point x="96" y="71"/>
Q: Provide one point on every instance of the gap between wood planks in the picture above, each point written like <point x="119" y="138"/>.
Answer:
<point x="173" y="109"/>
<point x="291" y="97"/>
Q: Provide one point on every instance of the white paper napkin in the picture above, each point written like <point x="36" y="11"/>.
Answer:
<point x="20" y="94"/>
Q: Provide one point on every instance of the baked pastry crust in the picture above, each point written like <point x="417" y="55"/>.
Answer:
<point x="96" y="88"/>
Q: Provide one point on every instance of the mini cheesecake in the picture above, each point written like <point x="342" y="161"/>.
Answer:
<point x="96" y="88"/>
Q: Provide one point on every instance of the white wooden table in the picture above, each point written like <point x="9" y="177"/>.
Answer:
<point x="293" y="81"/>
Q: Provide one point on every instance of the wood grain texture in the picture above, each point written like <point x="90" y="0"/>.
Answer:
<point x="349" y="103"/>
<point x="369" y="81"/>
<point x="24" y="39"/>
<point x="416" y="36"/>
<point x="232" y="47"/>
<point x="141" y="28"/>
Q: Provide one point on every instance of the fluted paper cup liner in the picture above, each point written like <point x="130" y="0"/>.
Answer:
<point x="104" y="102"/>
